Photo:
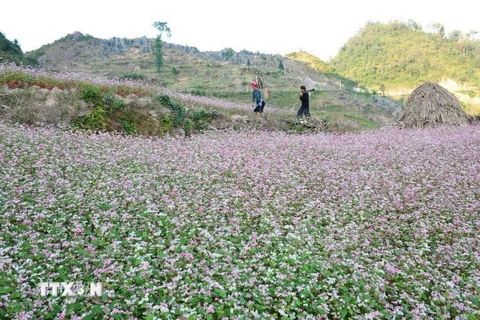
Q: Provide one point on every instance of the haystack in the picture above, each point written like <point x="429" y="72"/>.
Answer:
<point x="430" y="105"/>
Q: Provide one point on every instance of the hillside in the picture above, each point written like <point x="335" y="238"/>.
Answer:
<point x="397" y="57"/>
<point x="223" y="74"/>
<point x="186" y="68"/>
<point x="11" y="52"/>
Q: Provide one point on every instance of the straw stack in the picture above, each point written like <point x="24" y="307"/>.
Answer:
<point x="430" y="105"/>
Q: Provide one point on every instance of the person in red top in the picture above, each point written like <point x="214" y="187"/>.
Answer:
<point x="257" y="99"/>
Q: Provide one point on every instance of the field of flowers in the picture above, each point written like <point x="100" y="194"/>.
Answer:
<point x="372" y="225"/>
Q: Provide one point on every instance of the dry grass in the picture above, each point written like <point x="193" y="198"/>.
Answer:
<point x="429" y="105"/>
<point x="35" y="106"/>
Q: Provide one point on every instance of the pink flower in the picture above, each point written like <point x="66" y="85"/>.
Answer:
<point x="209" y="309"/>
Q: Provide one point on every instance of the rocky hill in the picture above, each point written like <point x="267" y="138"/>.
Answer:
<point x="120" y="56"/>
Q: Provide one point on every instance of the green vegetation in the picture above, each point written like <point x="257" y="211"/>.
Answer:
<point x="11" y="52"/>
<point x="177" y="109"/>
<point x="229" y="53"/>
<point x="158" y="51"/>
<point x="96" y="120"/>
<point x="158" y="46"/>
<point x="398" y="55"/>
<point x="365" y="123"/>
<point x="197" y="120"/>
<point x="104" y="107"/>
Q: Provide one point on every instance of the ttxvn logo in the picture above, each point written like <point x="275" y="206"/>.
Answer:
<point x="71" y="289"/>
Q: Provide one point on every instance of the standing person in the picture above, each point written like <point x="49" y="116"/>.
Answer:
<point x="257" y="99"/>
<point x="305" y="107"/>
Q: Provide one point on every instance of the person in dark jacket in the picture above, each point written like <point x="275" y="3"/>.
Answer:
<point x="257" y="99"/>
<point x="305" y="107"/>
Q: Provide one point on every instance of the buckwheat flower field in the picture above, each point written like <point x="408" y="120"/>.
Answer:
<point x="372" y="225"/>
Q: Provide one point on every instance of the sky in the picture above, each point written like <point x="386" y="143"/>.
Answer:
<point x="267" y="26"/>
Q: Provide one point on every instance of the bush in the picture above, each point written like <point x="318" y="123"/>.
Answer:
<point x="97" y="120"/>
<point x="129" y="124"/>
<point x="91" y="94"/>
<point x="177" y="109"/>
<point x="201" y="119"/>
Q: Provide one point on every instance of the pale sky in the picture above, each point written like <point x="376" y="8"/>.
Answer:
<point x="267" y="26"/>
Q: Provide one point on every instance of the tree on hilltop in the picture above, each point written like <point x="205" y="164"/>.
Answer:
<point x="158" y="46"/>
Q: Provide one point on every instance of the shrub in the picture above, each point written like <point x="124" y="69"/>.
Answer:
<point x="129" y="123"/>
<point x="177" y="109"/>
<point x="97" y="120"/>
<point x="201" y="119"/>
<point x="91" y="94"/>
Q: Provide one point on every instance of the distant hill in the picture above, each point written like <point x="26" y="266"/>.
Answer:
<point x="398" y="55"/>
<point x="395" y="58"/>
<point x="11" y="52"/>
